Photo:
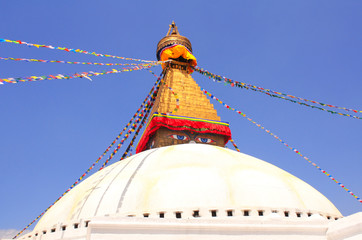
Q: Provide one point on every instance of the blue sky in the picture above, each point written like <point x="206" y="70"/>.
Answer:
<point x="52" y="131"/>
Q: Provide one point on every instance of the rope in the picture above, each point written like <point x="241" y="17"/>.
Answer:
<point x="144" y="103"/>
<point x="71" y="50"/>
<point x="177" y="99"/>
<point x="280" y="95"/>
<point x="234" y="144"/>
<point x="173" y="92"/>
<point x="77" y="75"/>
<point x="285" y="144"/>
<point x="58" y="61"/>
<point x="130" y="146"/>
<point x="144" y="115"/>
<point x="139" y="128"/>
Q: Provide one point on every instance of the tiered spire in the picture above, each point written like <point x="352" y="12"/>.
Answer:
<point x="181" y="112"/>
<point x="181" y="95"/>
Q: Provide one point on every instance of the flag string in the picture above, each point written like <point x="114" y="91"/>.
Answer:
<point x="234" y="144"/>
<point x="143" y="121"/>
<point x="138" y="113"/>
<point x="140" y="118"/>
<point x="172" y="92"/>
<point x="77" y="75"/>
<point x="284" y="143"/>
<point x="130" y="146"/>
<point x="280" y="95"/>
<point x="67" y="62"/>
<point x="71" y="50"/>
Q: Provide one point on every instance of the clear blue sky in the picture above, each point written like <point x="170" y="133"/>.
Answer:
<point x="51" y="131"/>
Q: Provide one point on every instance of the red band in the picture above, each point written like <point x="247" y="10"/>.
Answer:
<point x="180" y="124"/>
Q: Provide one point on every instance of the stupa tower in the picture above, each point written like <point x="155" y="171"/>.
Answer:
<point x="181" y="112"/>
<point x="191" y="191"/>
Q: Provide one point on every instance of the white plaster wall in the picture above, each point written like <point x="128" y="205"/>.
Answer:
<point x="132" y="229"/>
<point x="347" y="228"/>
<point x="269" y="227"/>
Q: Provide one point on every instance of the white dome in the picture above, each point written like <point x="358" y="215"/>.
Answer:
<point x="185" y="178"/>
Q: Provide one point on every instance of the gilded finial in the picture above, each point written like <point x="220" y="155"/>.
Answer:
<point x="174" y="29"/>
<point x="172" y="37"/>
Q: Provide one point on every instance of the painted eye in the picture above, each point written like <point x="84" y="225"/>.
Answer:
<point x="204" y="140"/>
<point x="179" y="137"/>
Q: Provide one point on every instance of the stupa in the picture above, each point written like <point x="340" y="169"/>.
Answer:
<point x="183" y="183"/>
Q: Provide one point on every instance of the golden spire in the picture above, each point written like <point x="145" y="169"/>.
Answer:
<point x="181" y="112"/>
<point x="181" y="95"/>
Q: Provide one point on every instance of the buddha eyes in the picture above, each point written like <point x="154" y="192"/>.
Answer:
<point x="179" y="137"/>
<point x="186" y="138"/>
<point x="204" y="140"/>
